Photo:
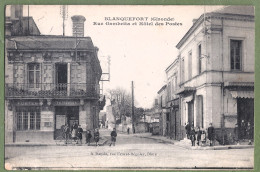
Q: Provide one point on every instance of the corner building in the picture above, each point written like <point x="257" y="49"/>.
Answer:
<point x="50" y="81"/>
<point x="216" y="60"/>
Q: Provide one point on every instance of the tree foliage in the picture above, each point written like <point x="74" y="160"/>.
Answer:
<point x="121" y="102"/>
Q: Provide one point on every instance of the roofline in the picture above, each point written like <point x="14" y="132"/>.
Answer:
<point x="172" y="64"/>
<point x="192" y="28"/>
<point x="8" y="18"/>
<point x="163" y="87"/>
<point x="200" y="20"/>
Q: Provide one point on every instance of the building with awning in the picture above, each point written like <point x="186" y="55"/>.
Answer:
<point x="216" y="68"/>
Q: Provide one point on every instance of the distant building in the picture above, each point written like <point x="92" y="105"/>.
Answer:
<point x="110" y="118"/>
<point x="173" y="115"/>
<point x="216" y="60"/>
<point x="162" y="110"/>
<point x="50" y="81"/>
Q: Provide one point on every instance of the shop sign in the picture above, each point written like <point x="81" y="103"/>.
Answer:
<point x="27" y="103"/>
<point x="66" y="103"/>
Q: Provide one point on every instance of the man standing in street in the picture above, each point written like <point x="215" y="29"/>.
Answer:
<point x="211" y="134"/>
<point x="188" y="128"/>
<point x="113" y="137"/>
<point x="67" y="133"/>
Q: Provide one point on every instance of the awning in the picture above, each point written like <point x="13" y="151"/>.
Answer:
<point x="239" y="84"/>
<point x="188" y="99"/>
<point x="242" y="94"/>
<point x="185" y="90"/>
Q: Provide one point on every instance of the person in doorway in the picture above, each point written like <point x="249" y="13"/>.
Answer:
<point x="88" y="137"/>
<point x="113" y="137"/>
<point x="66" y="131"/>
<point x="96" y="137"/>
<point x="249" y="133"/>
<point x="198" y="136"/>
<point x="192" y="136"/>
<point x="79" y="134"/>
<point x="74" y="129"/>
<point x="236" y="140"/>
<point x="128" y="130"/>
<point x="243" y="129"/>
<point x="211" y="134"/>
<point x="188" y="128"/>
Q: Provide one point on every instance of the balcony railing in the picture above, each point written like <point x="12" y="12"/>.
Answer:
<point x="51" y="90"/>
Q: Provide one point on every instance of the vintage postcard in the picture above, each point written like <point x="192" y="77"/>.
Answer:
<point x="129" y="87"/>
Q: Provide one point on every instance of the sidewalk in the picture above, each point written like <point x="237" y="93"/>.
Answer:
<point x="102" y="142"/>
<point x="187" y="144"/>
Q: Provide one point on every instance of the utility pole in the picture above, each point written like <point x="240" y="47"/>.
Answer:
<point x="133" y="108"/>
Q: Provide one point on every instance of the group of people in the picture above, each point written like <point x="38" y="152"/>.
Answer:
<point x="199" y="135"/>
<point x="246" y="132"/>
<point x="76" y="134"/>
<point x="75" y="131"/>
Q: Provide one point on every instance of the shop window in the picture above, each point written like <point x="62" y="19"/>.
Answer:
<point x="235" y="54"/>
<point x="28" y="118"/>
<point x="34" y="75"/>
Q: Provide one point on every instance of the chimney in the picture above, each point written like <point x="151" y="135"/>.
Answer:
<point x="16" y="12"/>
<point x="78" y="25"/>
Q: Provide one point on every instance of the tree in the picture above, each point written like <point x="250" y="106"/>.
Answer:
<point x="139" y="113"/>
<point x="121" y="102"/>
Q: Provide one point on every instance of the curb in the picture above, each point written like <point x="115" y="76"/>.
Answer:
<point x="165" y="141"/>
<point x="51" y="144"/>
<point x="203" y="148"/>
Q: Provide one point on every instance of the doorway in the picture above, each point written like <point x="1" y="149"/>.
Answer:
<point x="61" y="76"/>
<point x="191" y="112"/>
<point x="245" y="112"/>
<point x="65" y="115"/>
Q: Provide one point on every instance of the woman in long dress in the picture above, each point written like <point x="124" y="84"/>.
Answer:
<point x="74" y="129"/>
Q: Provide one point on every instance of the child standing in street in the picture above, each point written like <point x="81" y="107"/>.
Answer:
<point x="113" y="137"/>
<point x="96" y="137"/>
<point x="198" y="135"/>
<point x="88" y="137"/>
<point x="80" y="131"/>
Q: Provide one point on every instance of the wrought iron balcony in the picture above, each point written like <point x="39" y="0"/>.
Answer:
<point x="51" y="90"/>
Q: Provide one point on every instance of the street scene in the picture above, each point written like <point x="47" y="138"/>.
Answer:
<point x="131" y="151"/>
<point x="129" y="87"/>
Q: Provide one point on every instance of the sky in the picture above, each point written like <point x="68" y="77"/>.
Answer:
<point x="138" y="53"/>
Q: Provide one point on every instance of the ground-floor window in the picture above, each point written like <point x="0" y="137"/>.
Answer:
<point x="28" y="118"/>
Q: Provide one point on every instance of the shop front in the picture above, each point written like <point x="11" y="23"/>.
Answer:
<point x="65" y="115"/>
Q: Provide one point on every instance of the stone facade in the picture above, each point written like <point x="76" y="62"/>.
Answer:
<point x="49" y="83"/>
<point x="217" y="71"/>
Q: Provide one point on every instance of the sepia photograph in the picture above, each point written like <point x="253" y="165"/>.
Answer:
<point x="129" y="87"/>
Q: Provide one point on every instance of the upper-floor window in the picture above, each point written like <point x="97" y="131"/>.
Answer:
<point x="236" y="54"/>
<point x="182" y="70"/>
<point x="34" y="75"/>
<point x="176" y="85"/>
<point x="169" y="90"/>
<point x="190" y="65"/>
<point x="199" y="59"/>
